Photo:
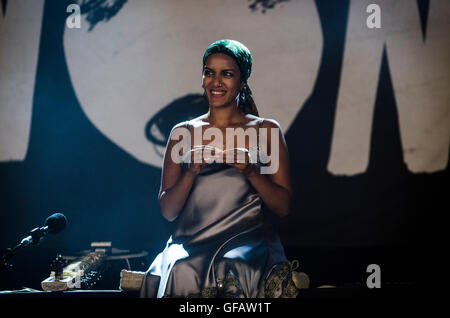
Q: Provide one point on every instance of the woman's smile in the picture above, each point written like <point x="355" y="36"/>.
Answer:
<point x="217" y="93"/>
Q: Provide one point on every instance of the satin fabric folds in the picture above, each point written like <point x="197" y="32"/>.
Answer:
<point x="221" y="230"/>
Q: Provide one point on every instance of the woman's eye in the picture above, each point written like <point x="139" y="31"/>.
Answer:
<point x="228" y="74"/>
<point x="207" y="73"/>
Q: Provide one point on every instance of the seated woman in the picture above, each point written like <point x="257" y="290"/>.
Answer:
<point x="226" y="207"/>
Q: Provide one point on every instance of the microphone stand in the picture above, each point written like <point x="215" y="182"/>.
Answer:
<point x="34" y="238"/>
<point x="8" y="254"/>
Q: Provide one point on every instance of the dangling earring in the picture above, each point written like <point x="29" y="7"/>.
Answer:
<point x="204" y="94"/>
<point x="243" y="91"/>
<point x="242" y="96"/>
<point x="240" y="103"/>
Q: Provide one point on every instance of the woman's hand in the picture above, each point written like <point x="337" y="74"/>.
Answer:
<point x="199" y="156"/>
<point x="241" y="160"/>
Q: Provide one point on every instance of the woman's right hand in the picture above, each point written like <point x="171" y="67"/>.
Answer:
<point x="199" y="158"/>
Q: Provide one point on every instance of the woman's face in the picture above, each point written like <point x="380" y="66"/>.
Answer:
<point x="221" y="80"/>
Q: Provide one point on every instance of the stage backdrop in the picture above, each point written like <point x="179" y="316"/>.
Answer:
<point x="85" y="113"/>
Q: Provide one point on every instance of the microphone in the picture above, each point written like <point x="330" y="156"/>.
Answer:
<point x="54" y="224"/>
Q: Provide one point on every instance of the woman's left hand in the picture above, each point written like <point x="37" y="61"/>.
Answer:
<point x="239" y="158"/>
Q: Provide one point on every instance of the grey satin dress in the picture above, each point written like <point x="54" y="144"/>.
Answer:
<point x="224" y="243"/>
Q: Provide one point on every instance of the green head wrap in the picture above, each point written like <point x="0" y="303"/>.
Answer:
<point x="238" y="51"/>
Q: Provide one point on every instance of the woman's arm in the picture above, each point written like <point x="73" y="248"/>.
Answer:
<point x="175" y="183"/>
<point x="274" y="189"/>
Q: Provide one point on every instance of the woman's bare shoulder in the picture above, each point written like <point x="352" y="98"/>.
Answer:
<point x="192" y="122"/>
<point x="252" y="120"/>
<point x="198" y="121"/>
<point x="267" y="122"/>
<point x="178" y="128"/>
